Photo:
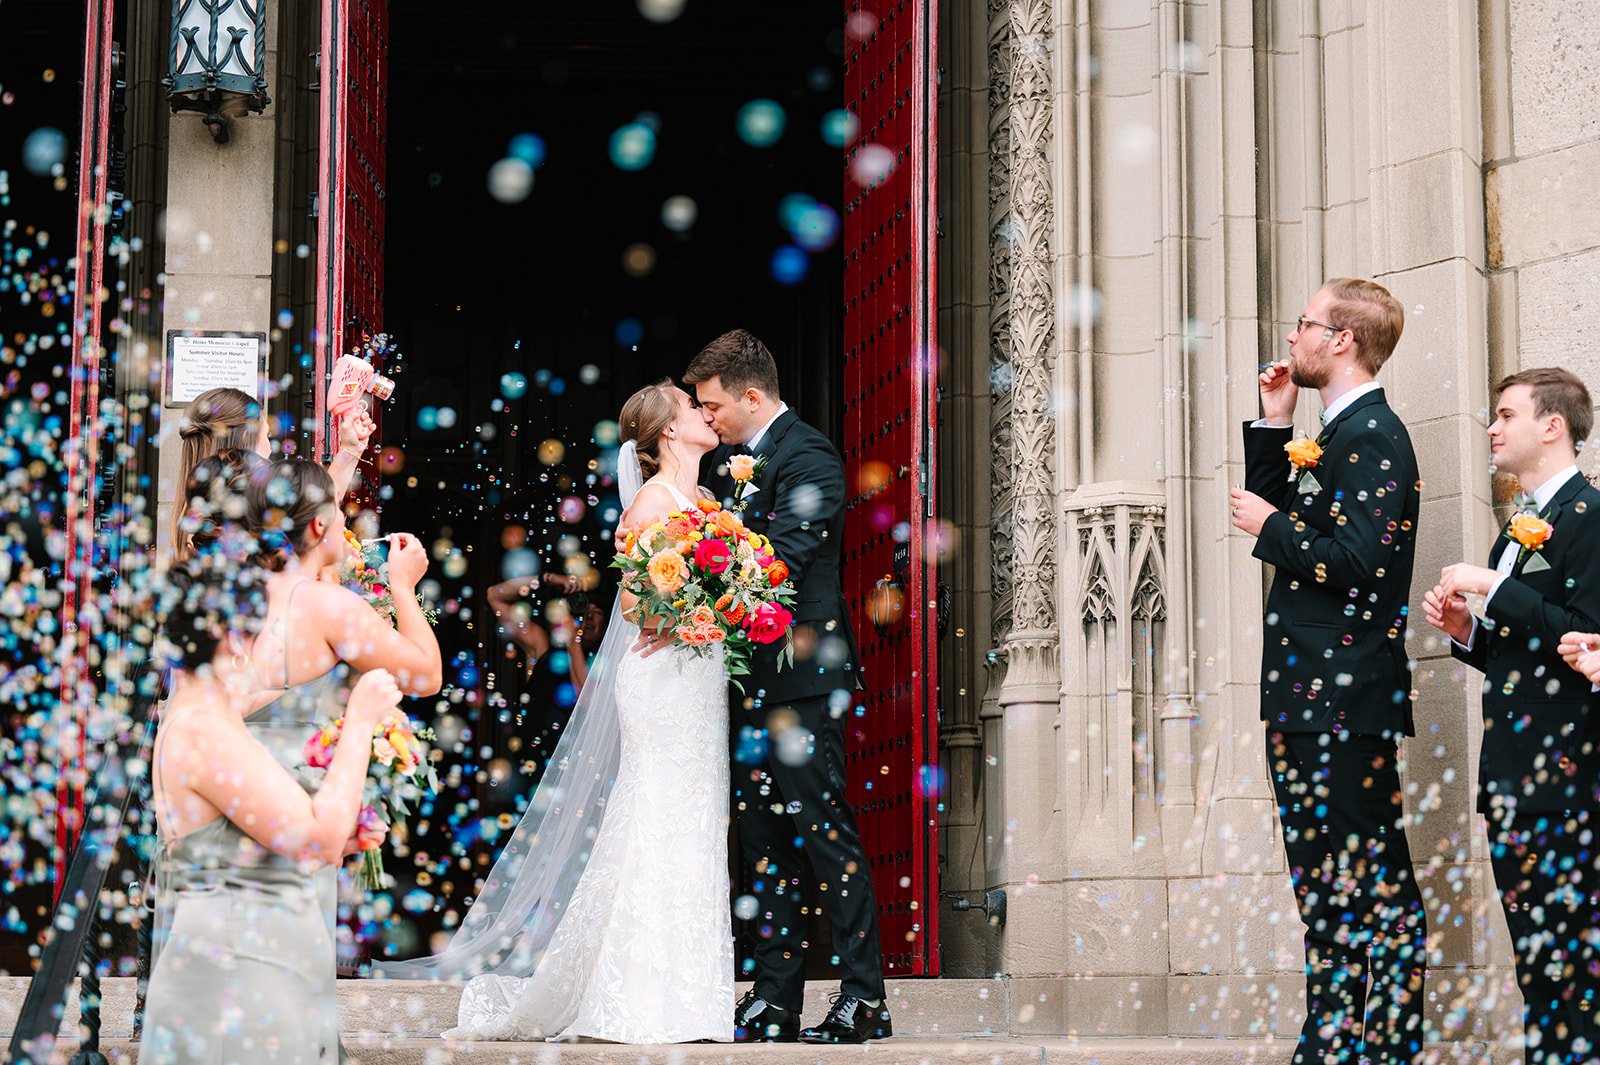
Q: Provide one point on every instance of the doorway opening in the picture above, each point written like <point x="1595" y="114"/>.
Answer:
<point x="577" y="199"/>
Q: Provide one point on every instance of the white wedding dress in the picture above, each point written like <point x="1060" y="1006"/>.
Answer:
<point x="643" y="951"/>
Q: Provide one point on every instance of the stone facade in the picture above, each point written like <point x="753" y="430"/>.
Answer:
<point x="1156" y="188"/>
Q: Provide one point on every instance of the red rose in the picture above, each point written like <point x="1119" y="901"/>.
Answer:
<point x="713" y="556"/>
<point x="769" y="623"/>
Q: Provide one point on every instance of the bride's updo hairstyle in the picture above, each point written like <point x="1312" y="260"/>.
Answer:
<point x="283" y="499"/>
<point x="644" y="418"/>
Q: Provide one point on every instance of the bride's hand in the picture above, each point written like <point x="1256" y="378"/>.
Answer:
<point x="650" y="641"/>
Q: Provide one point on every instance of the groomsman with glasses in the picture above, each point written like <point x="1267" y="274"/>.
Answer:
<point x="1540" y="764"/>
<point x="1336" y="514"/>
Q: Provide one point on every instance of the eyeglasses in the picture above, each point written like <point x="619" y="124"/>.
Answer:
<point x="1300" y="325"/>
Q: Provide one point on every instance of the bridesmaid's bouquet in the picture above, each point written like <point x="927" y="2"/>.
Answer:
<point x="712" y="581"/>
<point x="398" y="774"/>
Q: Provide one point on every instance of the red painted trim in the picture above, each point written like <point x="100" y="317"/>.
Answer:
<point x="82" y="445"/>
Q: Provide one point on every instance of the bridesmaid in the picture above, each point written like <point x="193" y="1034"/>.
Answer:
<point x="247" y="973"/>
<point x="316" y="633"/>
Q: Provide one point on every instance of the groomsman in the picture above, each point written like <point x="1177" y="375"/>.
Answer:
<point x="1337" y="515"/>
<point x="1540" y="763"/>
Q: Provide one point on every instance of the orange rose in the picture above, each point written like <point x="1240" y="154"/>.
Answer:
<point x="742" y="467"/>
<point x="1304" y="452"/>
<point x="668" y="571"/>
<point x="729" y="522"/>
<point x="1530" y="530"/>
<point x="701" y="616"/>
<point x="777" y="573"/>
<point x="708" y="506"/>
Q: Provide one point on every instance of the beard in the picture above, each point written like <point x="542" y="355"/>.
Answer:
<point x="1304" y="375"/>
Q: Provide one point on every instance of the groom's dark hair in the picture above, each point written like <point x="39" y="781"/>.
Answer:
<point x="740" y="359"/>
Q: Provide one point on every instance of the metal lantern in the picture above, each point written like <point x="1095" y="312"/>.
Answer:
<point x="218" y="60"/>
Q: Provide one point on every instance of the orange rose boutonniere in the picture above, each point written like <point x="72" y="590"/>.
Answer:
<point x="1531" y="532"/>
<point x="1304" y="453"/>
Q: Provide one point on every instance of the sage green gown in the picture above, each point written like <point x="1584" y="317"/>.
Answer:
<point x="247" y="973"/>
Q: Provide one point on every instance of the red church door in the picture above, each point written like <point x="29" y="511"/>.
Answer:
<point x="891" y="359"/>
<point x="350" y="222"/>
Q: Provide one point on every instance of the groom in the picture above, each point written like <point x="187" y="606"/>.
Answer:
<point x="796" y="798"/>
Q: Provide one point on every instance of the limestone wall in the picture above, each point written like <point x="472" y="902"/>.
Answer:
<point x="1209" y="163"/>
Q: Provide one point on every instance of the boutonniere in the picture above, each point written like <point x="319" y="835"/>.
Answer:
<point x="1304" y="454"/>
<point x="1531" y="532"/>
<point x="745" y="469"/>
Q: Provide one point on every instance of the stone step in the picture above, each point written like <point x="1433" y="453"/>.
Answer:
<point x="379" y="1050"/>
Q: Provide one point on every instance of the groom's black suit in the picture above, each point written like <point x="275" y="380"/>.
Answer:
<point x="1335" y="695"/>
<point x="799" y="505"/>
<point x="1540" y="768"/>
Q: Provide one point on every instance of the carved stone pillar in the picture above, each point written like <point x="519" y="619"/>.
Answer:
<point x="1025" y="529"/>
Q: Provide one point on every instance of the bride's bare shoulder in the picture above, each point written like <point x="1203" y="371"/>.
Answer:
<point x="653" y="501"/>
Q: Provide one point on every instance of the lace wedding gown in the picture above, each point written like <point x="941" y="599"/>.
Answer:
<point x="644" y="950"/>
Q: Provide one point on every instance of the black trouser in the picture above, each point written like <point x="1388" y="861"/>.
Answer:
<point x="779" y="805"/>
<point x="1545" y="871"/>
<point x="1340" y="805"/>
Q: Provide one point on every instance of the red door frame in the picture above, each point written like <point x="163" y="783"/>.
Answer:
<point x="82" y="444"/>
<point x="891" y="366"/>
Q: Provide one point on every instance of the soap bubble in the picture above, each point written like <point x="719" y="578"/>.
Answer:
<point x="816" y="228"/>
<point x="872" y="163"/>
<point x="678" y="213"/>
<point x="513" y="385"/>
<point x="44" y="150"/>
<point x="638" y="260"/>
<point x="760" y="123"/>
<point x="789" y="265"/>
<point x="839" y="128"/>
<point x="528" y="147"/>
<point x="633" y="146"/>
<point x="510" y="180"/>
<point x="661" y="10"/>
<point x="629" y="332"/>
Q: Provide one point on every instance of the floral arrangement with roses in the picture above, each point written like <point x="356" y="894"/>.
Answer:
<point x="398" y="774"/>
<point x="363" y="572"/>
<point x="702" y="573"/>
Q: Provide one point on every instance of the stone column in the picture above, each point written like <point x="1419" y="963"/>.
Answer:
<point x="218" y="243"/>
<point x="1024" y="573"/>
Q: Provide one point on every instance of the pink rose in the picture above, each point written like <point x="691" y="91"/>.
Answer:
<point x="713" y="556"/>
<point x="318" y="751"/>
<point x="769" y="623"/>
<point x="371" y="830"/>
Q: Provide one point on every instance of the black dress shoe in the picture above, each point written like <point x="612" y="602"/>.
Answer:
<point x="755" y="1020"/>
<point x="850" y="1020"/>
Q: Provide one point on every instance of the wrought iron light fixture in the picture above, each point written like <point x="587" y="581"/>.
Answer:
<point x="217" y="64"/>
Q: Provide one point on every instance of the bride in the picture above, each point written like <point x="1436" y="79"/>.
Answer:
<point x="606" y="916"/>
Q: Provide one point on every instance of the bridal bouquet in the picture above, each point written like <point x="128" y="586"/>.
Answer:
<point x="398" y="774"/>
<point x="362" y="573"/>
<point x="712" y="581"/>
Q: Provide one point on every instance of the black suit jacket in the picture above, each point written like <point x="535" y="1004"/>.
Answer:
<point x="1333" y="654"/>
<point x="1541" y="718"/>
<point x="799" y="505"/>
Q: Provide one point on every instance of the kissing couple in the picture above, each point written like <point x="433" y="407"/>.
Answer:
<point x="607" y="915"/>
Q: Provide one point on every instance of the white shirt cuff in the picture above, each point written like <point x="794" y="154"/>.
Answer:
<point x="1262" y="423"/>
<point x="1472" y="635"/>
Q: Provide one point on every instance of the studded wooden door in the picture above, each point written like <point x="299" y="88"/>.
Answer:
<point x="350" y="228"/>
<point x="890" y="363"/>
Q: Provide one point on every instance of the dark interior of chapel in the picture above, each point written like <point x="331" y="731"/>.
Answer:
<point x="524" y="325"/>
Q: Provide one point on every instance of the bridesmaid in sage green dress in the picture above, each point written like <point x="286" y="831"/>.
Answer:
<point x="247" y="973"/>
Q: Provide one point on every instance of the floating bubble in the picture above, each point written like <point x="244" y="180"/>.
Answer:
<point x="571" y="510"/>
<point x="839" y="128"/>
<point x="638" y="260"/>
<point x="513" y="385"/>
<point x="816" y="228"/>
<point x="678" y="213"/>
<point x="629" y="332"/>
<point x="1188" y="58"/>
<point x="745" y="907"/>
<point x="607" y="433"/>
<point x="589" y="373"/>
<point x="510" y="180"/>
<point x="1083" y="304"/>
<point x="455" y="567"/>
<point x="789" y="265"/>
<point x="793" y="207"/>
<point x="872" y="163"/>
<point x="861" y="25"/>
<point x="940" y="541"/>
<point x="885" y="605"/>
<point x="1133" y="143"/>
<point x="428" y="419"/>
<point x="391" y="460"/>
<point x="661" y="10"/>
<point x="633" y="146"/>
<point x="519" y="563"/>
<point x="44" y="150"/>
<point x="528" y="147"/>
<point x="760" y="123"/>
<point x="552" y="451"/>
<point x="873" y="477"/>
